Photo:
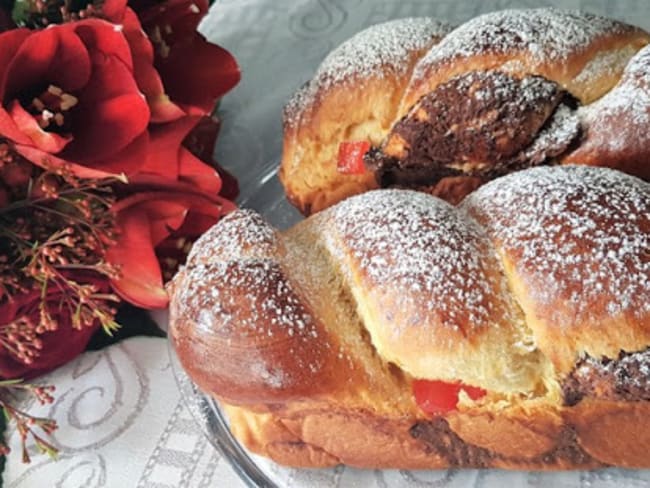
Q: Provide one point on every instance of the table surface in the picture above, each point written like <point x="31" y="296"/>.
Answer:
<point x="122" y="420"/>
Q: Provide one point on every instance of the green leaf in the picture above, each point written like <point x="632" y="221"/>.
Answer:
<point x="20" y="12"/>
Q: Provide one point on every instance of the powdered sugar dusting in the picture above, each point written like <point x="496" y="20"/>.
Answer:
<point x="578" y="235"/>
<point x="607" y="63"/>
<point x="250" y="300"/>
<point x="368" y="53"/>
<point x="233" y="288"/>
<point x="531" y="90"/>
<point x="545" y="35"/>
<point x="424" y="250"/>
<point x="628" y="372"/>
<point x="240" y="233"/>
<point x="622" y="378"/>
<point x="560" y="131"/>
<point x="629" y="101"/>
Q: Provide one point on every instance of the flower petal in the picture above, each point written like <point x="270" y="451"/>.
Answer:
<point x="201" y="141"/>
<point x="166" y="142"/>
<point x="128" y="161"/>
<point x="196" y="172"/>
<point x="46" y="160"/>
<point x="45" y="141"/>
<point x="140" y="281"/>
<point x="9" y="130"/>
<point x="107" y="128"/>
<point x="165" y="211"/>
<point x="55" y="55"/>
<point x="59" y="347"/>
<point x="112" y="104"/>
<point x="201" y="217"/>
<point x="197" y="73"/>
<point x="10" y="41"/>
<point x="104" y="39"/>
<point x="162" y="108"/>
<point x="114" y="10"/>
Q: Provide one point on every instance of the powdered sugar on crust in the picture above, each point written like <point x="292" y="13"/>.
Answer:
<point x="235" y="292"/>
<point x="628" y="372"/>
<point x="372" y="52"/>
<point x="544" y="35"/>
<point x="251" y="296"/>
<point x="250" y="300"/>
<point x="606" y="63"/>
<point x="626" y="109"/>
<point x="578" y="236"/>
<point x="560" y="131"/>
<point x="424" y="251"/>
<point x="239" y="234"/>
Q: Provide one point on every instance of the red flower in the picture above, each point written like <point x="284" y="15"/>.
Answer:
<point x="57" y="347"/>
<point x="69" y="96"/>
<point x="195" y="73"/>
<point x="184" y="74"/>
<point x="168" y="204"/>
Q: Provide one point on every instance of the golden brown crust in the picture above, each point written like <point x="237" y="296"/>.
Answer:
<point x="614" y="432"/>
<point x="573" y="255"/>
<point x="556" y="44"/>
<point x="353" y="96"/>
<point x="616" y="126"/>
<point x="583" y="55"/>
<point x="452" y="309"/>
<point x="314" y="336"/>
<point x="592" y="434"/>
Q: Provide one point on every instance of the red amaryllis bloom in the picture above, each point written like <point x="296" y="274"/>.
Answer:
<point x="184" y="74"/>
<point x="55" y="347"/>
<point x="69" y="96"/>
<point x="173" y="200"/>
<point x="195" y="73"/>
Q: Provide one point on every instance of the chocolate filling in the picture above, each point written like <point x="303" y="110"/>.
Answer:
<point x="626" y="378"/>
<point x="444" y="442"/>
<point x="439" y="437"/>
<point x="483" y="123"/>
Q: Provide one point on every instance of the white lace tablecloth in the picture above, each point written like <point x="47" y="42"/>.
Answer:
<point x="122" y="421"/>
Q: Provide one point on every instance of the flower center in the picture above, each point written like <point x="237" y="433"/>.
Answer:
<point x="51" y="109"/>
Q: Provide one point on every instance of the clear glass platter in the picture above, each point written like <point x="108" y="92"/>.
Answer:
<point x="279" y="44"/>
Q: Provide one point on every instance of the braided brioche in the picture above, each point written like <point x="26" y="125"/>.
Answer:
<point x="534" y="291"/>
<point x="354" y="94"/>
<point x="502" y="92"/>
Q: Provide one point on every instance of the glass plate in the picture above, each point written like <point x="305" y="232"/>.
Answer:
<point x="279" y="45"/>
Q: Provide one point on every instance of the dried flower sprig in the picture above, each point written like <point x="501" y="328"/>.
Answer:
<point x="60" y="227"/>
<point x="26" y="423"/>
<point x="54" y="232"/>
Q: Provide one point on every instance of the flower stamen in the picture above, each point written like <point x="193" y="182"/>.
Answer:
<point x="51" y="105"/>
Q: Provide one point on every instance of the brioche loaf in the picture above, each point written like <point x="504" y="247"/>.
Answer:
<point x="534" y="291"/>
<point x="355" y="94"/>
<point x="502" y="92"/>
